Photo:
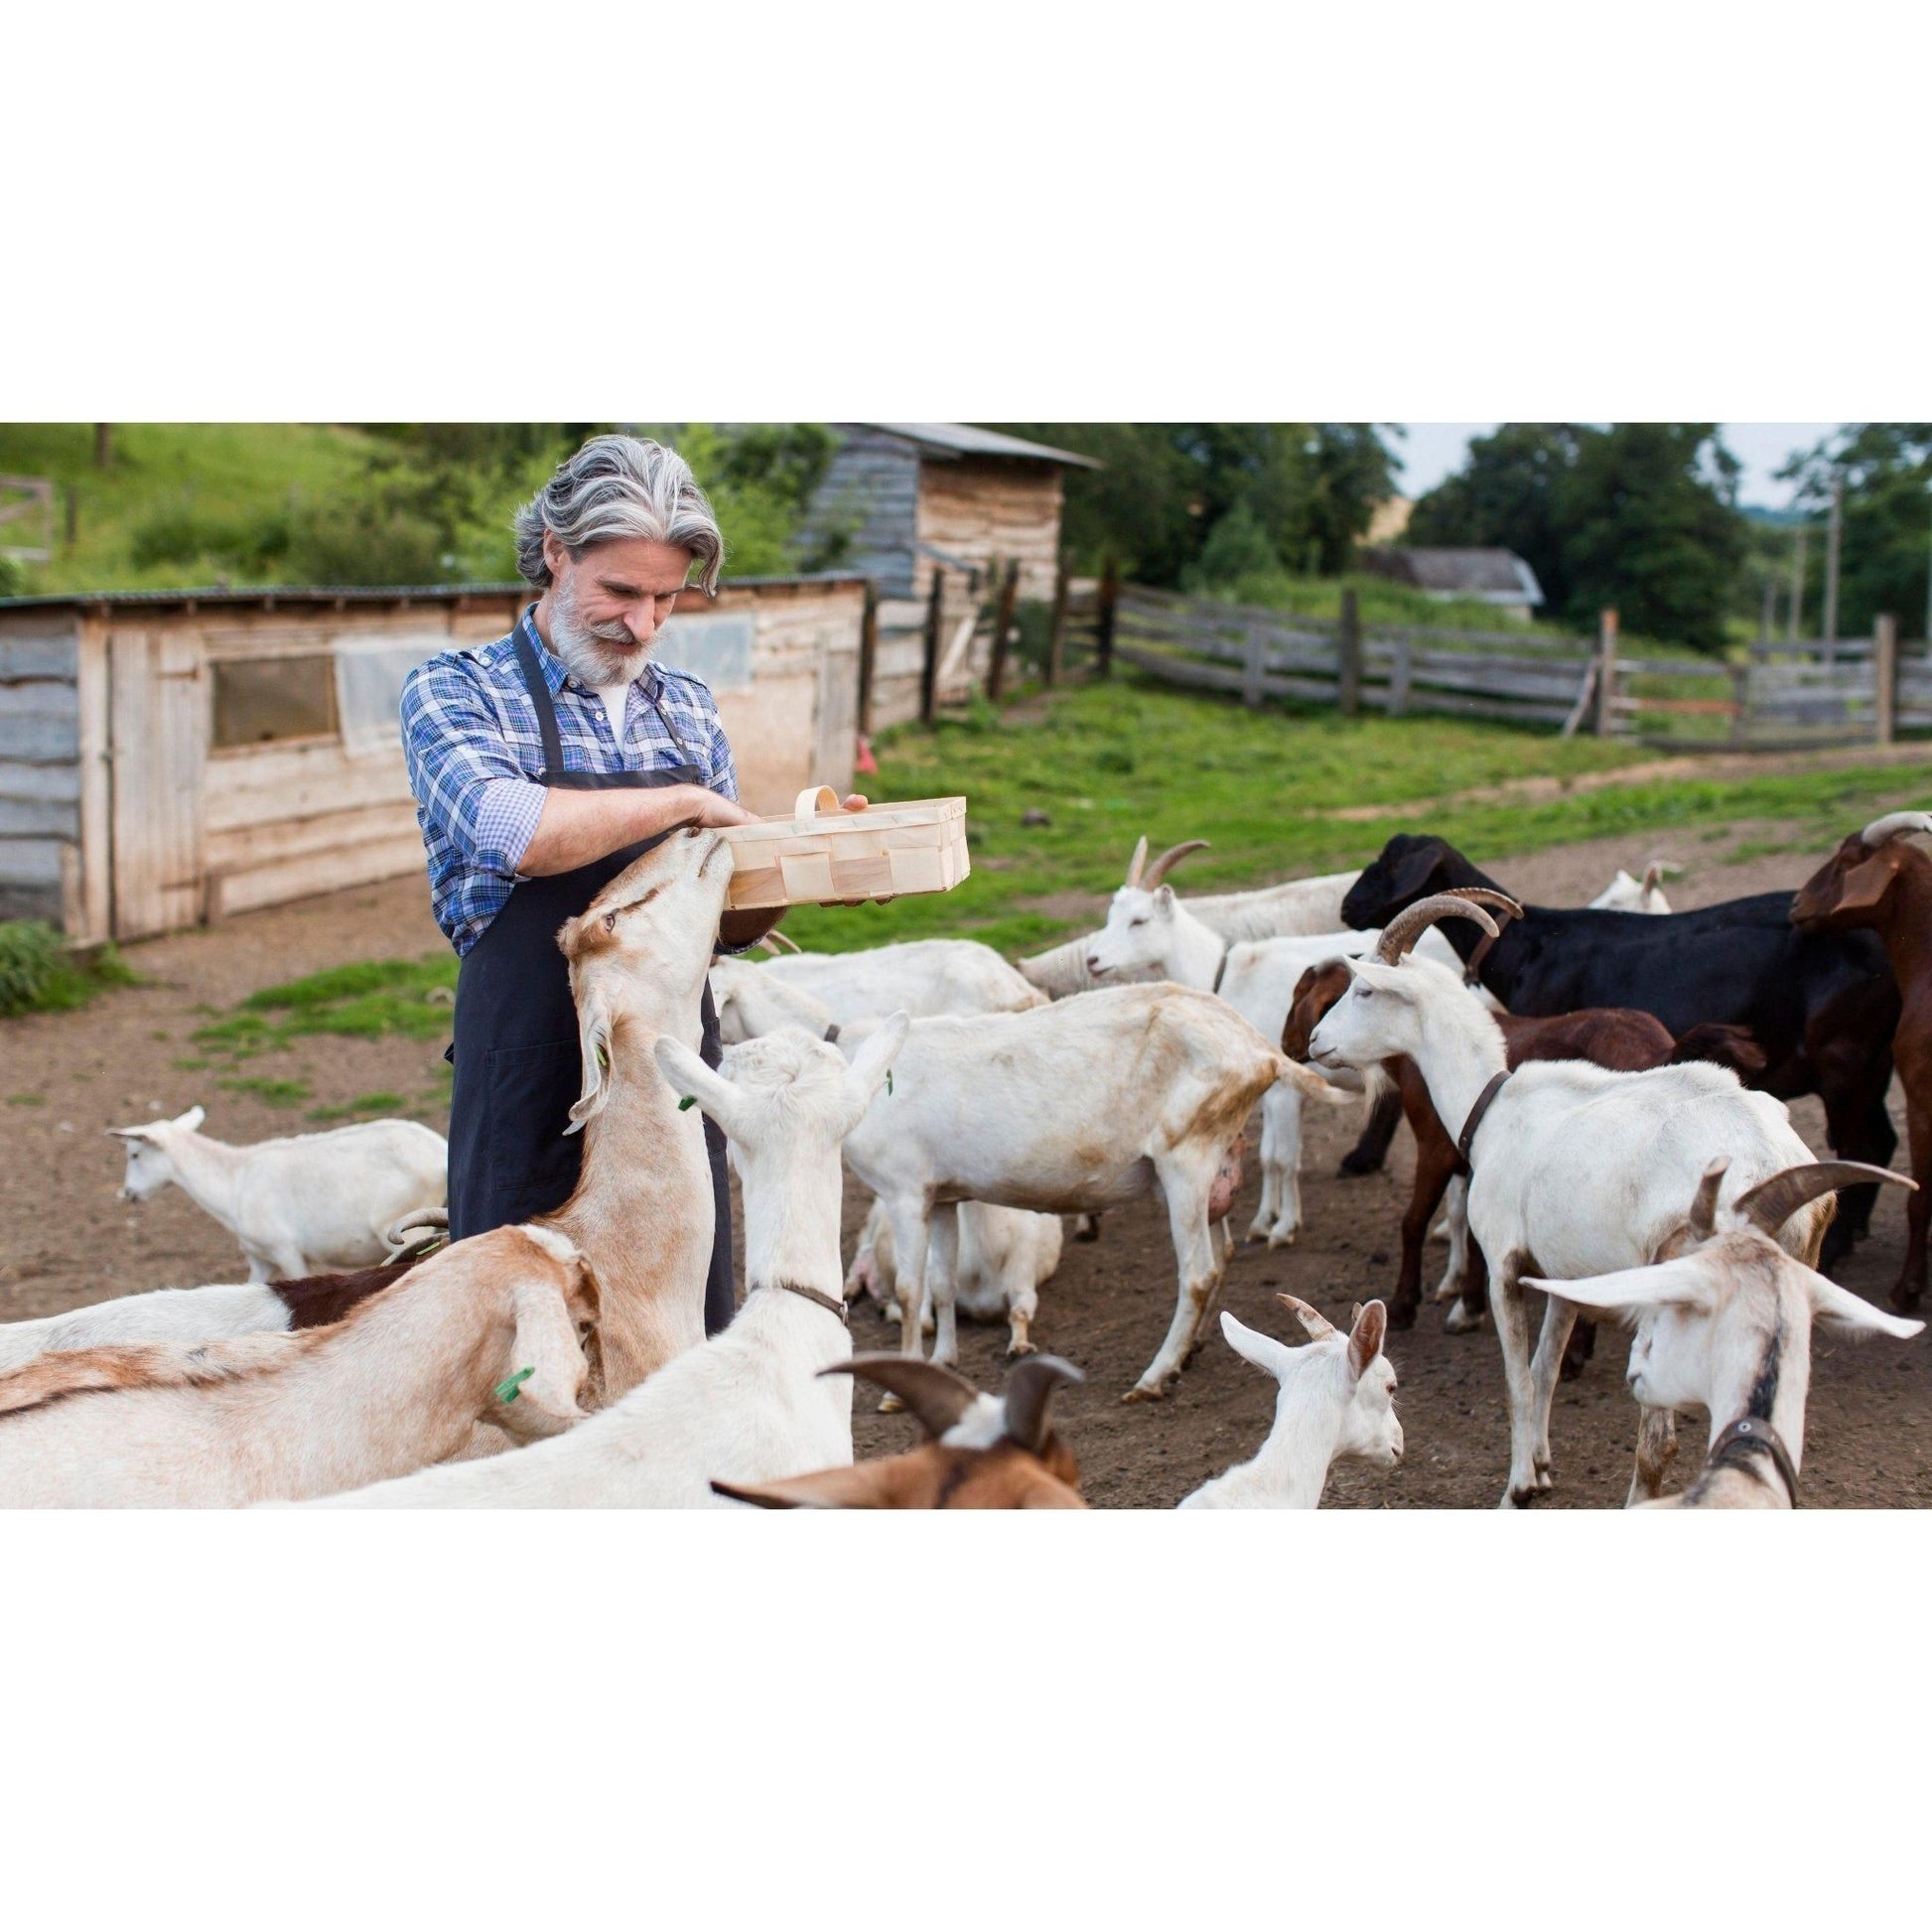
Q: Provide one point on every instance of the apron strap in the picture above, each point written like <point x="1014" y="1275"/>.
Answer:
<point x="684" y="752"/>
<point x="539" y="688"/>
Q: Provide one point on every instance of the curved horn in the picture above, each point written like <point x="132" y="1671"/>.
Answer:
<point x="1317" y="1325"/>
<point x="934" y="1394"/>
<point x="1702" y="1218"/>
<point x="1409" y="925"/>
<point x="1487" y="895"/>
<point x="1137" y="864"/>
<point x="1660" y="868"/>
<point x="1168" y="860"/>
<point x="775" y="941"/>
<point x="1772" y="1202"/>
<point x="1896" y="825"/>
<point x="1030" y="1388"/>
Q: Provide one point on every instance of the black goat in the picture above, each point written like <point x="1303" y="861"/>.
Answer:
<point x="1822" y="1006"/>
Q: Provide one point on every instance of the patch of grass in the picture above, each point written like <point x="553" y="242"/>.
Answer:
<point x="40" y="973"/>
<point x="191" y="1063"/>
<point x="276" y="1093"/>
<point x="364" y="1106"/>
<point x="27" y="1100"/>
<point x="364" y="1000"/>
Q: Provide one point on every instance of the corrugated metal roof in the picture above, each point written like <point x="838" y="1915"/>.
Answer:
<point x="1466" y="573"/>
<point x="962" y="439"/>
<point x="311" y="593"/>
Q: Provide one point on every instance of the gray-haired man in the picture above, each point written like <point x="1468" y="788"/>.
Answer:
<point x="543" y="764"/>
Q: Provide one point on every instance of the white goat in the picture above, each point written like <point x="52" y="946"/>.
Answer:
<point x="1074" y="1107"/>
<point x="919" y="977"/>
<point x="160" y="1314"/>
<point x="1294" y="910"/>
<point x="1723" y="1323"/>
<point x="301" y="1204"/>
<point x="751" y="1001"/>
<point x="748" y="1405"/>
<point x="1576" y="1168"/>
<point x="1626" y="895"/>
<point x="1337" y="1404"/>
<point x="488" y="1332"/>
<point x="1003" y="1257"/>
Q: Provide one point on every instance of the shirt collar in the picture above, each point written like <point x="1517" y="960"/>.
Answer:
<point x="556" y="678"/>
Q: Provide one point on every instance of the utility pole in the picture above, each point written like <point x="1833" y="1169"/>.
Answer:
<point x="1831" y="557"/>
<point x="1797" y="589"/>
<point x="1928" y="596"/>
<point x="1770" y="616"/>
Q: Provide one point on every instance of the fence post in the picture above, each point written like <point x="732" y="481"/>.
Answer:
<point x="929" y="670"/>
<point x="1103" y="635"/>
<point x="996" y="669"/>
<point x="1399" y="674"/>
<point x="1740" y="701"/>
<point x="1348" y="669"/>
<point x="1250" y="659"/>
<point x="1056" y="643"/>
<point x="1607" y="673"/>
<point x="867" y="653"/>
<point x="1884" y="669"/>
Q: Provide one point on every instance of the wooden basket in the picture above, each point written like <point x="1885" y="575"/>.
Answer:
<point x="884" y="852"/>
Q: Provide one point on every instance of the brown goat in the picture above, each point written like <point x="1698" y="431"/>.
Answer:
<point x="1006" y="1456"/>
<point x="1874" y="879"/>
<point x="1614" y="1037"/>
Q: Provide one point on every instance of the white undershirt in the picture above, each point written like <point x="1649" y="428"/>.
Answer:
<point x="615" y="697"/>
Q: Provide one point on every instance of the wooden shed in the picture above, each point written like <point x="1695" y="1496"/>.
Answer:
<point x="168" y="758"/>
<point x="916" y="500"/>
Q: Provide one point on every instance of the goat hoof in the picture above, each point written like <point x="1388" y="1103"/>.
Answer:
<point x="1019" y="1348"/>
<point x="1906" y="1301"/>
<point x="1520" y="1499"/>
<point x="889" y="1405"/>
<point x="1402" y="1315"/>
<point x="1356" y="1164"/>
<point x="1141" y="1393"/>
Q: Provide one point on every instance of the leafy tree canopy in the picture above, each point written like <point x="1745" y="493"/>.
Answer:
<point x="1886" y="544"/>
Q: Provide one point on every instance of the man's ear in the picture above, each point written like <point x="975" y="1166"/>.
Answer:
<point x="687" y="1074"/>
<point x="555" y="556"/>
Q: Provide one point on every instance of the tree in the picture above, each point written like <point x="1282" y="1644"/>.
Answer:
<point x="1505" y="494"/>
<point x="1885" y="545"/>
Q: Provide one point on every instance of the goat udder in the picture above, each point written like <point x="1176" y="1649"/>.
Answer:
<point x="1227" y="1183"/>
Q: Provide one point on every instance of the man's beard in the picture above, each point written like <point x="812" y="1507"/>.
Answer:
<point x="595" y="654"/>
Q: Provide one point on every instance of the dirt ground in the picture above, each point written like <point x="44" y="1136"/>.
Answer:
<point x="66" y="1238"/>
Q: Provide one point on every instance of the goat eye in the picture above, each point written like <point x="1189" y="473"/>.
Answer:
<point x="609" y="922"/>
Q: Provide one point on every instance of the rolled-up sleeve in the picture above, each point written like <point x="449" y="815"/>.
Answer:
<point x="466" y="778"/>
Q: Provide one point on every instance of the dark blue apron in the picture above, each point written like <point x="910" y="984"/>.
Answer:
<point x="518" y="1067"/>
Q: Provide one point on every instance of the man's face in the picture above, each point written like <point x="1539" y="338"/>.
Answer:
<point x="606" y="608"/>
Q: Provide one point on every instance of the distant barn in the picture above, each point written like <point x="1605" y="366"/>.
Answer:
<point x="1498" y="577"/>
<point x="903" y="501"/>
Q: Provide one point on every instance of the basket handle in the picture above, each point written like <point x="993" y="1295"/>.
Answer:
<point x="814" y="799"/>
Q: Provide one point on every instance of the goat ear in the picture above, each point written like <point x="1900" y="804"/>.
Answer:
<point x="1414" y="870"/>
<point x="547" y="1368"/>
<point x="594" y="1044"/>
<point x="140" y="1133"/>
<point x="873" y="1062"/>
<point x="1317" y="1325"/>
<point x="1686" y="1283"/>
<point x="686" y="1074"/>
<point x="1851" y="1314"/>
<point x="192" y="1120"/>
<point x="1365" y="1337"/>
<point x="1866" y="883"/>
<point x="1267" y="1354"/>
<point x="864" y="1485"/>
<point x="1164" y="900"/>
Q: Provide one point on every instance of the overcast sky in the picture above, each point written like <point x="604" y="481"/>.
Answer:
<point x="1432" y="449"/>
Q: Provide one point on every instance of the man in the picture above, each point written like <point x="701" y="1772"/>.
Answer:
<point x="543" y="764"/>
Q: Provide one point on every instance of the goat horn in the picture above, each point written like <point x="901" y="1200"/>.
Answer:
<point x="1896" y="825"/>
<point x="1772" y="1202"/>
<point x="933" y="1393"/>
<point x="775" y="941"/>
<point x="1314" y="1323"/>
<point x="1702" y="1218"/>
<point x="1409" y="925"/>
<point x="1030" y="1388"/>
<point x="1168" y="860"/>
<point x="1137" y="864"/>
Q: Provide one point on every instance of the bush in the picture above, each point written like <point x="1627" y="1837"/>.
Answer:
<point x="1236" y="547"/>
<point x="39" y="974"/>
<point x="13" y="579"/>
<point x="180" y="535"/>
<point x="363" y="540"/>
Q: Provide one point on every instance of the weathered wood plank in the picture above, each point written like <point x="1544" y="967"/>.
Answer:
<point x="40" y="740"/>
<point x="40" y="697"/>
<point x="50" y="655"/>
<point x="47" y="818"/>
<point x="313" y="873"/>
<point x="31" y="861"/>
<point x="40" y="783"/>
<point x="246" y="848"/>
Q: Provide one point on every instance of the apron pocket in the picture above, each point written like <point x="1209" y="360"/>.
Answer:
<point x="533" y="1164"/>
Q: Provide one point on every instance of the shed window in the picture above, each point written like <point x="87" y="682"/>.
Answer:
<point x="258" y="700"/>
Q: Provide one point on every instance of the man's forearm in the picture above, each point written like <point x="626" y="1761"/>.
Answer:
<point x="578" y="827"/>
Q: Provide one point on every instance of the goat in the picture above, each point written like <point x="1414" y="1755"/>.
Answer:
<point x="1300" y="907"/>
<point x="751" y="1001"/>
<point x="1875" y="880"/>
<point x="979" y="1453"/>
<point x="1336" y="1403"/>
<point x="1082" y="1105"/>
<point x="485" y="1332"/>
<point x="1822" y="1006"/>
<point x="1626" y="895"/>
<point x="745" y="1404"/>
<point x="300" y="1204"/>
<point x="1572" y="1166"/>
<point x="1723" y="1323"/>
<point x="1608" y="1036"/>
<point x="920" y="977"/>
<point x="1003" y="1257"/>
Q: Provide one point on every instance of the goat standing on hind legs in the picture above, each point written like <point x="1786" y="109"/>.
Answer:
<point x="1875" y="880"/>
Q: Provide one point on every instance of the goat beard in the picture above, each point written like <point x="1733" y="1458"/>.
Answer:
<point x="597" y="655"/>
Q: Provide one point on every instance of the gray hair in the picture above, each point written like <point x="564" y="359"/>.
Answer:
<point x="620" y="486"/>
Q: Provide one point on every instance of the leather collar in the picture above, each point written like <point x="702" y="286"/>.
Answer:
<point x="812" y="1295"/>
<point x="1475" y="1121"/>
<point x="1752" y="1436"/>
<point x="1221" y="971"/>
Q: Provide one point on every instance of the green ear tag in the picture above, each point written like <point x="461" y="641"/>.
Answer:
<point x="511" y="1390"/>
<point x="889" y="1079"/>
<point x="689" y="1100"/>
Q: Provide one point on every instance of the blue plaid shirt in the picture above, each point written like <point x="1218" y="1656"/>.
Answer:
<point x="475" y="751"/>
